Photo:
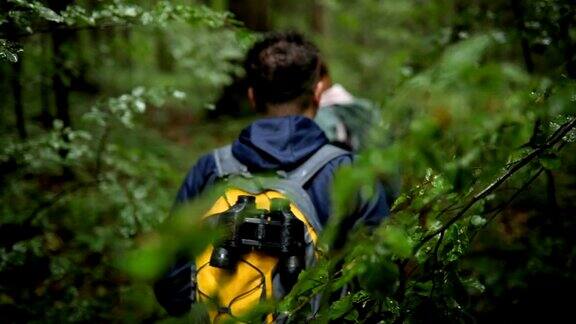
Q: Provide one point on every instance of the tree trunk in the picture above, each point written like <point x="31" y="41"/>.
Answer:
<point x="164" y="58"/>
<point x="219" y="5"/>
<point x="127" y="37"/>
<point x="3" y="86"/>
<point x="521" y="29"/>
<point x="96" y="35"/>
<point x="253" y="13"/>
<point x="45" y="115"/>
<point x="17" y="97"/>
<point x="317" y="18"/>
<point x="61" y="74"/>
<point x="60" y="78"/>
<point x="568" y="46"/>
<point x="461" y="24"/>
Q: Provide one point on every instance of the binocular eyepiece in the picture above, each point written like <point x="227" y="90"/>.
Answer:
<point x="225" y="256"/>
<point x="248" y="228"/>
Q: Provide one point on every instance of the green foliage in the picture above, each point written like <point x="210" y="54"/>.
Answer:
<point x="108" y="201"/>
<point x="23" y="18"/>
<point x="9" y="51"/>
<point x="478" y="115"/>
<point x="471" y="132"/>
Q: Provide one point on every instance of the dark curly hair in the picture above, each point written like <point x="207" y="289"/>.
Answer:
<point x="282" y="67"/>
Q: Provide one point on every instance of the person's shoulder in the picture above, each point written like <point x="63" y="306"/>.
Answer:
<point x="205" y="161"/>
<point x="341" y="160"/>
<point x="204" y="166"/>
<point x="201" y="174"/>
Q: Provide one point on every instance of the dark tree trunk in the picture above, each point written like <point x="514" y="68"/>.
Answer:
<point x="233" y="101"/>
<point x="17" y="97"/>
<point x="164" y="58"/>
<point x="127" y="37"/>
<point x="317" y="18"/>
<point x="521" y="29"/>
<point x="253" y="13"/>
<point x="95" y="34"/>
<point x="45" y="115"/>
<point x="61" y="73"/>
<point x="60" y="77"/>
<point x="81" y="55"/>
<point x="568" y="46"/>
<point x="3" y="86"/>
<point x="219" y="4"/>
<point x="461" y="24"/>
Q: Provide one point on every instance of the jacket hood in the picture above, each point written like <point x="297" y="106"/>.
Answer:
<point x="279" y="143"/>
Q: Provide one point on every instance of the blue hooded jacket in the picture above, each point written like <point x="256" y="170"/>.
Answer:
<point x="280" y="143"/>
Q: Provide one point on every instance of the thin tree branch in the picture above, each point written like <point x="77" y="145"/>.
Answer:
<point x="71" y="28"/>
<point x="503" y="207"/>
<point x="521" y="28"/>
<point x="553" y="140"/>
<point x="57" y="197"/>
<point x="64" y="28"/>
<point x="434" y="273"/>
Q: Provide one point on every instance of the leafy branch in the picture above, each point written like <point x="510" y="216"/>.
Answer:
<point x="55" y="199"/>
<point x="14" y="27"/>
<point x="556" y="137"/>
<point x="503" y="207"/>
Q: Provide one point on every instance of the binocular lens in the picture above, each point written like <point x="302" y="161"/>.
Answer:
<point x="221" y="258"/>
<point x="292" y="265"/>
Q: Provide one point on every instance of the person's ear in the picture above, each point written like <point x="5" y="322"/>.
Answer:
<point x="251" y="98"/>
<point x="318" y="90"/>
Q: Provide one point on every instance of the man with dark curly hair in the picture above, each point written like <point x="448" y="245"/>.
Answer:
<point x="283" y="72"/>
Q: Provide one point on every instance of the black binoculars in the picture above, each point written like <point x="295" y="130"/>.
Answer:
<point x="248" y="228"/>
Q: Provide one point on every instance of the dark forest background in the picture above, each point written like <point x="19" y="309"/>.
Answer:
<point x="105" y="104"/>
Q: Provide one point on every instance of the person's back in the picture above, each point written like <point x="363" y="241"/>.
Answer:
<point x="283" y="74"/>
<point x="353" y="123"/>
<point x="346" y="120"/>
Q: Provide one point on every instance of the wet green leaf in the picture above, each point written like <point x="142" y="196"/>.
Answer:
<point x="49" y="14"/>
<point x="341" y="307"/>
<point x="396" y="240"/>
<point x="477" y="220"/>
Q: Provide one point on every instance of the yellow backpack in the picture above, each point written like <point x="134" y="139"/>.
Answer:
<point x="264" y="251"/>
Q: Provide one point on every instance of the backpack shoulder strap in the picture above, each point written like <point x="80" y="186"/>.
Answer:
<point x="317" y="161"/>
<point x="227" y="164"/>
